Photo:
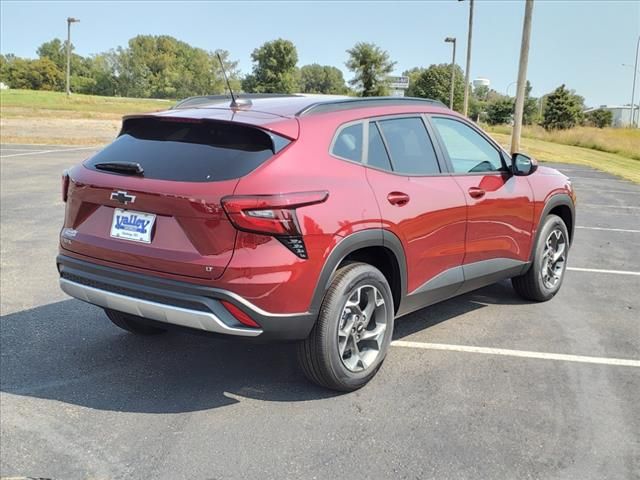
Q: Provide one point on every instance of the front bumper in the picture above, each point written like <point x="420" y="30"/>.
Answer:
<point x="178" y="303"/>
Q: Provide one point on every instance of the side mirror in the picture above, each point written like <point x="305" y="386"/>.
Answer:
<point x="523" y="165"/>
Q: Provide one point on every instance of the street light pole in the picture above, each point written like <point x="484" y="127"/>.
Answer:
<point x="465" y="106"/>
<point x="70" y="20"/>
<point x="522" y="77"/>
<point x="453" y="69"/>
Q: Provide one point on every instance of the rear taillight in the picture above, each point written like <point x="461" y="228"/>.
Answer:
<point x="272" y="215"/>
<point x="239" y="315"/>
<point x="65" y="185"/>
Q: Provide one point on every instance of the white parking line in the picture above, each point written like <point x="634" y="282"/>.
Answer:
<point x="617" y="192"/>
<point x="40" y="152"/>
<point x="598" y="270"/>
<point x="596" y="205"/>
<point x="603" y="179"/>
<point x="609" y="229"/>
<point x="517" y="353"/>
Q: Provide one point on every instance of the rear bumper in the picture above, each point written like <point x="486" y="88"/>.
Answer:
<point x="178" y="303"/>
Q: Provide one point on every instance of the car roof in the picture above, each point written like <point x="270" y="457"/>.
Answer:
<point x="297" y="105"/>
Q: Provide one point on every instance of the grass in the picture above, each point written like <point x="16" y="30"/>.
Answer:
<point x="41" y="104"/>
<point x="623" y="141"/>
<point x="622" y="166"/>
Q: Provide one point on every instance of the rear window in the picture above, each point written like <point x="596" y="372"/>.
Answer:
<point x="205" y="151"/>
<point x="348" y="143"/>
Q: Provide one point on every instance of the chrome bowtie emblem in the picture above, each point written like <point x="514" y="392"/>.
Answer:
<point x="123" y="197"/>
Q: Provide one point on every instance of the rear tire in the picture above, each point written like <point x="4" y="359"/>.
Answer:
<point x="546" y="273"/>
<point x="351" y="337"/>
<point x="132" y="323"/>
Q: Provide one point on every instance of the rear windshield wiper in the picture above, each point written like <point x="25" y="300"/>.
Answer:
<point x="128" y="168"/>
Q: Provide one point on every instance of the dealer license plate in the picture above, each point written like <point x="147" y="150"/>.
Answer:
<point x="130" y="225"/>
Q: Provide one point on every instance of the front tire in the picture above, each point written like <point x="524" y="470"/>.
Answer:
<point x="351" y="337"/>
<point x="132" y="323"/>
<point x="546" y="273"/>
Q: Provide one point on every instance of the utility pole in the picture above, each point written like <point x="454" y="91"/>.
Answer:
<point x="633" y="89"/>
<point x="465" y="106"/>
<point x="453" y="69"/>
<point x="522" y="77"/>
<point x="70" y="20"/>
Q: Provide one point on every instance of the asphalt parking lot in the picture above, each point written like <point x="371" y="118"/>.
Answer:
<point x="552" y="391"/>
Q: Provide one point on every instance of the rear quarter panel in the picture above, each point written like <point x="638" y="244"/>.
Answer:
<point x="265" y="272"/>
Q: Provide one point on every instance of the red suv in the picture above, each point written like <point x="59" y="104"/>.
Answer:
<point x="310" y="218"/>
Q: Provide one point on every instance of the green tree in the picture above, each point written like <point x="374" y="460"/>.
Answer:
<point x="45" y="75"/>
<point x="530" y="114"/>
<point x="600" y="118"/>
<point x="478" y="102"/>
<point x="164" y="67"/>
<point x="500" y="111"/>
<point x="477" y="108"/>
<point x="435" y="83"/>
<point x="563" y="109"/>
<point x="54" y="50"/>
<point x="413" y="74"/>
<point x="4" y="68"/>
<point x="13" y="71"/>
<point x="316" y="78"/>
<point x="230" y="67"/>
<point x="149" y="66"/>
<point x="481" y="92"/>
<point x="40" y="74"/>
<point x="274" y="68"/>
<point x="371" y="66"/>
<point x="103" y="72"/>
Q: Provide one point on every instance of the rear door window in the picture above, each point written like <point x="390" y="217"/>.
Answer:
<point x="377" y="154"/>
<point x="206" y="151"/>
<point x="409" y="146"/>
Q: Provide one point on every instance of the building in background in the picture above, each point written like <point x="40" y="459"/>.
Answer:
<point x="398" y="85"/>
<point x="621" y="114"/>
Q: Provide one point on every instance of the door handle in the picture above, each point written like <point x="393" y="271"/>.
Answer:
<point x="476" y="192"/>
<point x="398" y="198"/>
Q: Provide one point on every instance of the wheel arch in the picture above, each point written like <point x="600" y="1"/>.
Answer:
<point x="559" y="204"/>
<point x="366" y="246"/>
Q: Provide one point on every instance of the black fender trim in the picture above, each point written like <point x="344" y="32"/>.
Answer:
<point x="365" y="238"/>
<point x="559" y="199"/>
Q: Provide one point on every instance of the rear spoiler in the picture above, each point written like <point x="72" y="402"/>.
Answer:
<point x="278" y="140"/>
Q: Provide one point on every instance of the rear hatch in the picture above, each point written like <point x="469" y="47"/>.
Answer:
<point x="151" y="199"/>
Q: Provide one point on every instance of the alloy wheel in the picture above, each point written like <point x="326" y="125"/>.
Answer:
<point x="553" y="258"/>
<point x="362" y="328"/>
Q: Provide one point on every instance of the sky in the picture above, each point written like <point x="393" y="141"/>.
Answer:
<point x="582" y="44"/>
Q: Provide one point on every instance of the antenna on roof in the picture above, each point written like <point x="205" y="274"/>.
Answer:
<point x="234" y="104"/>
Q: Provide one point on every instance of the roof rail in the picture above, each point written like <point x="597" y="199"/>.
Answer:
<point x="207" y="99"/>
<point x="364" y="102"/>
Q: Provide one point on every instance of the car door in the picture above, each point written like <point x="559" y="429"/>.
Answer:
<point x="420" y="203"/>
<point x="500" y="205"/>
